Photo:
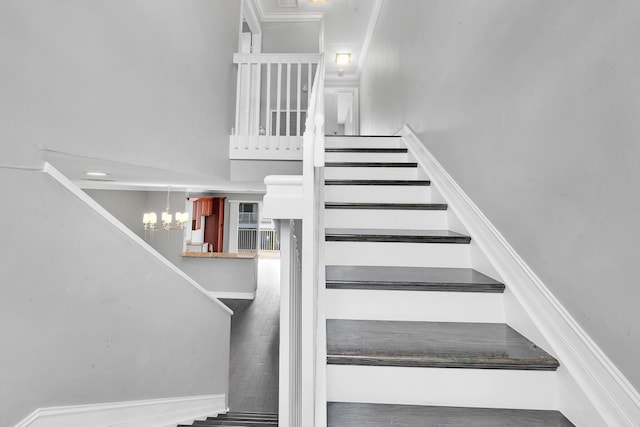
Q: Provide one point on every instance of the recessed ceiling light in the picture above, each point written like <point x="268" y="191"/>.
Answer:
<point x="96" y="173"/>
<point x="343" y="58"/>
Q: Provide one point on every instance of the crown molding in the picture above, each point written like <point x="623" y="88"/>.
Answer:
<point x="373" y="21"/>
<point x="288" y="3"/>
<point x="286" y="16"/>
<point x="253" y="17"/>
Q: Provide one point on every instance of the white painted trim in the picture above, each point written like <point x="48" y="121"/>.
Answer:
<point x="252" y="17"/>
<point x="612" y="395"/>
<point x="479" y="388"/>
<point x="276" y="58"/>
<point x="261" y="147"/>
<point x="284" y="198"/>
<point x="286" y="17"/>
<point x="369" y="34"/>
<point x="414" y="306"/>
<point x="234" y="295"/>
<point x="137" y="413"/>
<point x="84" y="197"/>
<point x="288" y="3"/>
<point x="241" y="187"/>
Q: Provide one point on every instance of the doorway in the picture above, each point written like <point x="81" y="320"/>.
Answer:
<point x="342" y="116"/>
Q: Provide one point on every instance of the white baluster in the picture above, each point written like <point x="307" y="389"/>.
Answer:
<point x="298" y="96"/>
<point x="278" y="102"/>
<point x="238" y="85"/>
<point x="288" y="116"/>
<point x="267" y="113"/>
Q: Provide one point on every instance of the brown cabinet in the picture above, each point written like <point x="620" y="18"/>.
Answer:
<point x="212" y="209"/>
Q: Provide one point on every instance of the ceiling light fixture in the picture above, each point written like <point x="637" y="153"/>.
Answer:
<point x="343" y="58"/>
<point x="150" y="219"/>
<point x="96" y="173"/>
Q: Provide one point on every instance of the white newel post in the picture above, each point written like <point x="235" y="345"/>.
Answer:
<point x="283" y="203"/>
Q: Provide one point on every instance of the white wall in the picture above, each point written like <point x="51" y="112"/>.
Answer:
<point x="87" y="316"/>
<point x="128" y="206"/>
<point x="257" y="170"/>
<point x="533" y="108"/>
<point x="90" y="317"/>
<point x="146" y="82"/>
<point x="213" y="274"/>
<point x="290" y="37"/>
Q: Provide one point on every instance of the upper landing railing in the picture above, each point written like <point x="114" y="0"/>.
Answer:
<point x="272" y="104"/>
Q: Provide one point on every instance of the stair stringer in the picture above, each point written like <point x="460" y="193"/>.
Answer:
<point x="592" y="391"/>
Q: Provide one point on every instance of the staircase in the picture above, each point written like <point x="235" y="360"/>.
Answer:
<point x="245" y="419"/>
<point x="415" y="335"/>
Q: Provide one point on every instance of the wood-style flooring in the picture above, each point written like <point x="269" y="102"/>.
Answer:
<point x="253" y="369"/>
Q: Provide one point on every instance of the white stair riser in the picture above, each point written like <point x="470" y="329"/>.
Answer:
<point x="483" y="388"/>
<point x="386" y="219"/>
<point x="370" y="173"/>
<point x="366" y="157"/>
<point x="352" y="142"/>
<point x="398" y="254"/>
<point x="377" y="194"/>
<point x="425" y="306"/>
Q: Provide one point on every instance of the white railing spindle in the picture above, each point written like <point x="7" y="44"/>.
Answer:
<point x="278" y="104"/>
<point x="267" y="112"/>
<point x="288" y="115"/>
<point x="298" y="97"/>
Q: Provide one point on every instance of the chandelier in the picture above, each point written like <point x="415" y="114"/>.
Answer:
<point x="150" y="219"/>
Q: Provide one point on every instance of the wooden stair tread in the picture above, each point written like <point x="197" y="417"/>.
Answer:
<point x="363" y="136"/>
<point x="378" y="415"/>
<point x="388" y="206"/>
<point x="410" y="278"/>
<point x="248" y="413"/>
<point x="253" y="419"/>
<point x="394" y="182"/>
<point x="237" y="423"/>
<point x="433" y="344"/>
<point x="365" y="150"/>
<point x="371" y="165"/>
<point x="384" y="235"/>
<point x="245" y="417"/>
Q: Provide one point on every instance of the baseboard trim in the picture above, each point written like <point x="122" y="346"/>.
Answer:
<point x="612" y="395"/>
<point x="234" y="295"/>
<point x="137" y="413"/>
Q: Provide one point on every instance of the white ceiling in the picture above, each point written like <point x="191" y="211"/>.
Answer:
<point x="348" y="25"/>
<point x="125" y="176"/>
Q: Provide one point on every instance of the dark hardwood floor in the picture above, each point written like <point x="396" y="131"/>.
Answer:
<point x="253" y="370"/>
